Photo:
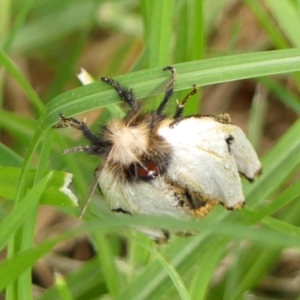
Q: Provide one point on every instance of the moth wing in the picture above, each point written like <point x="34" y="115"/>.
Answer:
<point x="153" y="197"/>
<point x="201" y="160"/>
<point x="244" y="154"/>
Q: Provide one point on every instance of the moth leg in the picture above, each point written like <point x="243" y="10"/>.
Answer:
<point x="74" y="123"/>
<point x="180" y="105"/>
<point x="124" y="93"/>
<point x="169" y="91"/>
<point x="120" y="210"/>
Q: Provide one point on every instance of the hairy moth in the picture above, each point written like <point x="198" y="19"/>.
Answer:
<point x="178" y="166"/>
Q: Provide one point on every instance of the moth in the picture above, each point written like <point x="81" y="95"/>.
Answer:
<point x="177" y="166"/>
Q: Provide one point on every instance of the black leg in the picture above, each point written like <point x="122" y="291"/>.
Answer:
<point x="74" y="123"/>
<point x="180" y="105"/>
<point x="169" y="91"/>
<point x="125" y="94"/>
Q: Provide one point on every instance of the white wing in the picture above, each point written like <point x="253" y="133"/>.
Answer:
<point x="245" y="156"/>
<point x="203" y="162"/>
<point x="153" y="197"/>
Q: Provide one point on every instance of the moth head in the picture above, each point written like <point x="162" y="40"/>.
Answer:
<point x="129" y="143"/>
<point x="136" y="150"/>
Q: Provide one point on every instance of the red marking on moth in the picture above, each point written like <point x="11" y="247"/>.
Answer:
<point x="151" y="170"/>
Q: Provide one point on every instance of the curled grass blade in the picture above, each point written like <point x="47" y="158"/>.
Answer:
<point x="201" y="73"/>
<point x="56" y="193"/>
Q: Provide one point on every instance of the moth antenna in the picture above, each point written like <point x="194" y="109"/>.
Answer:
<point x="88" y="148"/>
<point x="180" y="105"/>
<point x="169" y="90"/>
<point x="91" y="193"/>
<point x="74" y="123"/>
<point x="124" y="93"/>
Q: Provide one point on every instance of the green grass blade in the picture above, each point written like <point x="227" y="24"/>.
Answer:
<point x="20" y="213"/>
<point x="274" y="34"/>
<point x="213" y="10"/>
<point x="208" y="264"/>
<point x="285" y="96"/>
<point x="175" y="277"/>
<point x="258" y="263"/>
<point x="56" y="193"/>
<point x="159" y="33"/>
<point x="11" y="68"/>
<point x="257" y="116"/>
<point x="19" y="127"/>
<point x="201" y="73"/>
<point x="58" y="23"/>
<point x="85" y="283"/>
<point x="196" y="30"/>
<point x="11" y="268"/>
<point x="44" y="155"/>
<point x="287" y="16"/>
<point x="21" y="285"/>
<point x="278" y="165"/>
<point x="62" y="287"/>
<point x="291" y="193"/>
<point x="18" y="23"/>
<point x="9" y="158"/>
<point x="107" y="261"/>
<point x="190" y="42"/>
